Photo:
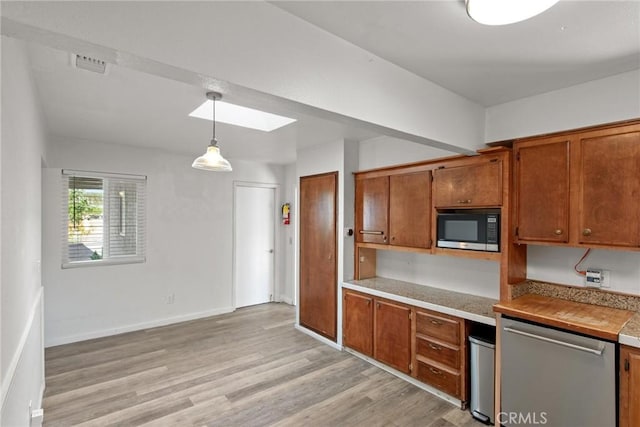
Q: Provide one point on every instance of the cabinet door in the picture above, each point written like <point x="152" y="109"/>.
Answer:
<point x="372" y="209"/>
<point x="629" y="386"/>
<point x="542" y="190"/>
<point x="410" y="209"/>
<point x="318" y="248"/>
<point x="392" y="330"/>
<point x="358" y="322"/>
<point x="474" y="185"/>
<point x="609" y="206"/>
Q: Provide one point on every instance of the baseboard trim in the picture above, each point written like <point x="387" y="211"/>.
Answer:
<point x="318" y="337"/>
<point x="136" y="327"/>
<point x="407" y="378"/>
<point x="286" y="300"/>
<point x="7" y="380"/>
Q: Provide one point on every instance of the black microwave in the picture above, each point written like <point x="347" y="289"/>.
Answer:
<point x="469" y="231"/>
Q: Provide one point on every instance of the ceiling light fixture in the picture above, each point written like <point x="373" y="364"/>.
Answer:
<point x="502" y="12"/>
<point x="212" y="160"/>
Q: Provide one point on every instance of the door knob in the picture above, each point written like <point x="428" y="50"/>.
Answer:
<point x="586" y="232"/>
<point x="558" y="232"/>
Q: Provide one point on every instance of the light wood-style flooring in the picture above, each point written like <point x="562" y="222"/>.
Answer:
<point x="247" y="368"/>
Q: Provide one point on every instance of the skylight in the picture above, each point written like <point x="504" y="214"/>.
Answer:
<point x="241" y="116"/>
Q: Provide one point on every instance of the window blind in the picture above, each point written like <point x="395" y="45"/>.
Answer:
<point x="104" y="218"/>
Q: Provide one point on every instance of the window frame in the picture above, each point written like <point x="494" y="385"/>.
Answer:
<point x="140" y="218"/>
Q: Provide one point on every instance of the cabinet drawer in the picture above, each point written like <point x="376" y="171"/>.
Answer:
<point x="438" y="326"/>
<point x="445" y="354"/>
<point x="445" y="380"/>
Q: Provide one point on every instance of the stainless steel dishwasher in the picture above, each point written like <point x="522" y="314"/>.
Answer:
<point x="555" y="378"/>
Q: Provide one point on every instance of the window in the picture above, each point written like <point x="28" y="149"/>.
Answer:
<point x="104" y="218"/>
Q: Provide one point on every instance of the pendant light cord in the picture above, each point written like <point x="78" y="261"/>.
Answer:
<point x="214" y="118"/>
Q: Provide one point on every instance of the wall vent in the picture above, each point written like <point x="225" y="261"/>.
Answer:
<point x="88" y="63"/>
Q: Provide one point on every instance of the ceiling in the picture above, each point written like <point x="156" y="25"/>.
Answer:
<point x="571" y="43"/>
<point x="129" y="107"/>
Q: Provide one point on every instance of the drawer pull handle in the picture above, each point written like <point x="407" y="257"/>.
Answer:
<point x="586" y="232"/>
<point x="378" y="233"/>
<point x="435" y="371"/>
<point x="436" y="322"/>
<point x="464" y="201"/>
<point x="558" y="232"/>
<point x="435" y="347"/>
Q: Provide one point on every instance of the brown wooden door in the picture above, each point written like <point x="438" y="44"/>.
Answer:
<point x="609" y="197"/>
<point x="358" y="322"/>
<point x="392" y="332"/>
<point x="474" y="185"/>
<point x="372" y="210"/>
<point x="542" y="190"/>
<point x="410" y="209"/>
<point x="318" y="249"/>
<point x="629" y="386"/>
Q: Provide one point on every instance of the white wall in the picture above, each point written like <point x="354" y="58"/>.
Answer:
<point x="386" y="151"/>
<point x="23" y="149"/>
<point x="289" y="195"/>
<point x="296" y="60"/>
<point x="555" y="265"/>
<point x="189" y="245"/>
<point x="600" y="101"/>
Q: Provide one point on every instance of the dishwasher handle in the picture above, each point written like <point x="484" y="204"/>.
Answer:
<point x="597" y="352"/>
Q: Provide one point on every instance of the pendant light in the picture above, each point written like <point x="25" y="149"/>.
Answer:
<point x="502" y="12"/>
<point x="212" y="160"/>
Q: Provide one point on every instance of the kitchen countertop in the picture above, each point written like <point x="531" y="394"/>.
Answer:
<point x="471" y="307"/>
<point x="630" y="334"/>
<point x="595" y="320"/>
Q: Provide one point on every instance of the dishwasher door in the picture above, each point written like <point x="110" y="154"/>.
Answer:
<point x="555" y="378"/>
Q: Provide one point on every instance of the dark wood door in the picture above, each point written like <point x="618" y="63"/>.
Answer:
<point x="475" y="185"/>
<point x="392" y="335"/>
<point x="358" y="322"/>
<point x="410" y="209"/>
<point x="318" y="249"/>
<point x="609" y="206"/>
<point x="372" y="210"/>
<point x="629" y="386"/>
<point x="542" y="190"/>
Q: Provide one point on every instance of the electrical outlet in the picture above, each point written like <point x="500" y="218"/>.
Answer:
<point x="593" y="277"/>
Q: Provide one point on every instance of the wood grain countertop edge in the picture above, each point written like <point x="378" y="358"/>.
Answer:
<point x="514" y="309"/>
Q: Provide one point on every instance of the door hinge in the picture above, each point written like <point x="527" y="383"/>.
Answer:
<point x="410" y="367"/>
<point x="517" y="229"/>
<point x="626" y="365"/>
<point x="410" y="315"/>
<point x="518" y="156"/>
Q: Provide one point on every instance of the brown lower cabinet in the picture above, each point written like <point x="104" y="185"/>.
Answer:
<point x="430" y="346"/>
<point x="629" y="386"/>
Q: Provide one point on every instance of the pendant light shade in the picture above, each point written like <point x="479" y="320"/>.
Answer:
<point x="503" y="12"/>
<point x="212" y="160"/>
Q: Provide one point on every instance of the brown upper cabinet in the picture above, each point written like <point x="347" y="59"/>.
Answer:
<point x="542" y="180"/>
<point x="579" y="188"/>
<point x="609" y="187"/>
<point x="476" y="185"/>
<point x="394" y="209"/>
<point x="372" y="210"/>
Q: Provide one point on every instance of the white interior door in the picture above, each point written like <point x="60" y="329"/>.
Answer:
<point x="254" y="245"/>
